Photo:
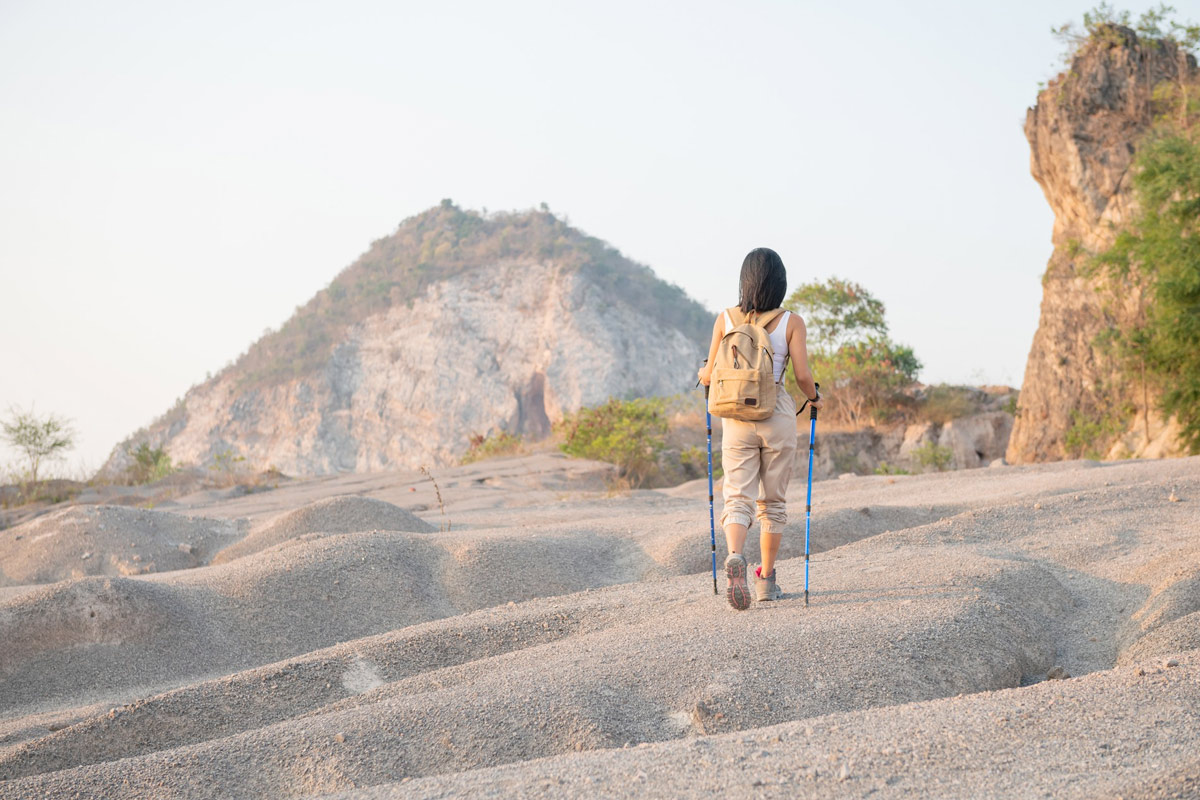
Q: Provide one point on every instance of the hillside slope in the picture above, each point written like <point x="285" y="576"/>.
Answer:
<point x="456" y="324"/>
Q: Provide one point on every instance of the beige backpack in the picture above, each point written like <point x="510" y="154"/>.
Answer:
<point x="743" y="385"/>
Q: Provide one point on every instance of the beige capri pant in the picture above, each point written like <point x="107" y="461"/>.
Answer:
<point x="759" y="455"/>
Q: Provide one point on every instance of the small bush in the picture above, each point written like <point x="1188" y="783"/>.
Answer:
<point x="1091" y="436"/>
<point x="149" y="464"/>
<point x="628" y="433"/>
<point x="695" y="463"/>
<point x="943" y="403"/>
<point x="500" y="443"/>
<point x="227" y="468"/>
<point x="885" y="468"/>
<point x="932" y="454"/>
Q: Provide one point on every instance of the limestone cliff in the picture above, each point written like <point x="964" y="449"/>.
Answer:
<point x="457" y="324"/>
<point x="1083" y="135"/>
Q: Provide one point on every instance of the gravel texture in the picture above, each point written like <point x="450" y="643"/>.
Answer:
<point x="572" y="646"/>
<point x="345" y="514"/>
<point x="108" y="540"/>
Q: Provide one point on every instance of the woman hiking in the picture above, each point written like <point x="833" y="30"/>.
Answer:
<point x="760" y="453"/>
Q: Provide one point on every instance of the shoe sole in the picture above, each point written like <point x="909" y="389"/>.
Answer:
<point x="737" y="593"/>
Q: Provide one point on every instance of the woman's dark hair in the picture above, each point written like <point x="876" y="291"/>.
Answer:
<point x="764" y="281"/>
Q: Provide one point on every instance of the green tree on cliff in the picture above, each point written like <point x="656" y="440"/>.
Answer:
<point x="1157" y="254"/>
<point x="1100" y="23"/>
<point x="1160" y="251"/>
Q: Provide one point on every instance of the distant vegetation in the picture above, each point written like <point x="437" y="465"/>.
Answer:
<point x="628" y="433"/>
<point x="1158" y="255"/>
<point x="149" y="464"/>
<point x="500" y="443"/>
<point x="38" y="439"/>
<point x="1100" y="24"/>
<point x="442" y="243"/>
<point x="932" y="454"/>
<point x="694" y="461"/>
<point x="1090" y="436"/>
<point x="865" y="373"/>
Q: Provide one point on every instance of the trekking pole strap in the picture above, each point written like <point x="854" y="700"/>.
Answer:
<point x="807" y="400"/>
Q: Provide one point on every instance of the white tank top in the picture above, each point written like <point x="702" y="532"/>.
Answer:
<point x="778" y="339"/>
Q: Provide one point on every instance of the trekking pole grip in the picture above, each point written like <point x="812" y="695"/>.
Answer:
<point x="812" y="410"/>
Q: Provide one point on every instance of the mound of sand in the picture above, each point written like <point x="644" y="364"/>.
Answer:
<point x="576" y="648"/>
<point x="1054" y="739"/>
<point x="1169" y="620"/>
<point x="107" y="540"/>
<point x="344" y="514"/>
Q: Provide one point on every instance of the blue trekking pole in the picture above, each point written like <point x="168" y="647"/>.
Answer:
<point x="812" y="440"/>
<point x="712" y="524"/>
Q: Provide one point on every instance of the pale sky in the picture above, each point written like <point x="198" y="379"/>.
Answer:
<point x="177" y="177"/>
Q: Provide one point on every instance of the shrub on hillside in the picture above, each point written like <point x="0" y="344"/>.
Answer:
<point x="1091" y="436"/>
<point x="149" y="464"/>
<point x="694" y="461"/>
<point x="495" y="445"/>
<point x="932" y="454"/>
<point x="628" y="433"/>
<point x="1155" y="260"/>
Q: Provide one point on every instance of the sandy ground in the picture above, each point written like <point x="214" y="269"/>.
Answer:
<point x="533" y="635"/>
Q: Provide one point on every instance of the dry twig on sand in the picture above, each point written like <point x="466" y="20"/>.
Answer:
<point x="442" y="506"/>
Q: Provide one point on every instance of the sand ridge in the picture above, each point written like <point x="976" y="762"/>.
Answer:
<point x="557" y="647"/>
<point x="340" y="514"/>
<point x="108" y="540"/>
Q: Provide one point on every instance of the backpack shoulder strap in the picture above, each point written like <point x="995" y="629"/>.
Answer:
<point x="735" y="316"/>
<point x="764" y="319"/>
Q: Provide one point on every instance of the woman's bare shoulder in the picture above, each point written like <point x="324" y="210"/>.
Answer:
<point x="795" y="325"/>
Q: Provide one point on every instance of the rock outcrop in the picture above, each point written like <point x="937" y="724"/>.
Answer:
<point x="965" y="443"/>
<point x="458" y="324"/>
<point x="1083" y="134"/>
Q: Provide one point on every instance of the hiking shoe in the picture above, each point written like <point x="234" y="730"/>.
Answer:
<point x="738" y="593"/>
<point x="766" y="588"/>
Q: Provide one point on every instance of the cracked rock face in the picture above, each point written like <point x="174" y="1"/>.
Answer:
<point x="1082" y="137"/>
<point x="510" y="347"/>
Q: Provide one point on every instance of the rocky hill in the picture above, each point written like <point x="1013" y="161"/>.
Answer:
<point x="1083" y="135"/>
<point x="456" y="324"/>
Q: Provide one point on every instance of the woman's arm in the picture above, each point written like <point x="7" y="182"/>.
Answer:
<point x="797" y="339"/>
<point x="705" y="373"/>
